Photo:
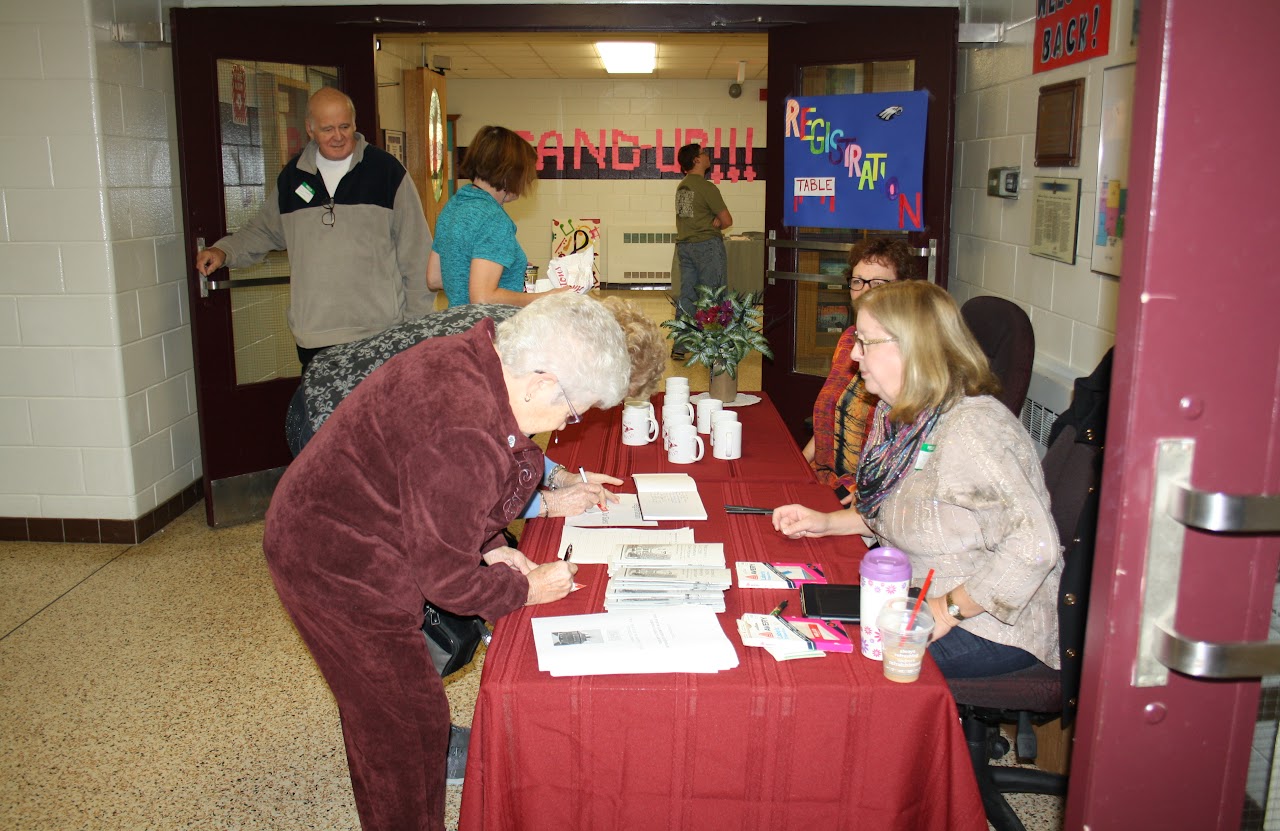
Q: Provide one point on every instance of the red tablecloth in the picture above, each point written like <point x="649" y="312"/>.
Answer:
<point x="768" y="453"/>
<point x="806" y="745"/>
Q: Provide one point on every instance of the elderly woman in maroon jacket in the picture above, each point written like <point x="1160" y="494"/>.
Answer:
<point x="401" y="499"/>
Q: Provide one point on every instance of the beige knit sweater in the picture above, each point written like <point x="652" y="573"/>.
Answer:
<point x="977" y="512"/>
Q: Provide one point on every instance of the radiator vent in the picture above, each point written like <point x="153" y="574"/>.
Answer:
<point x="639" y="255"/>
<point x="1038" y="420"/>
<point x="630" y="238"/>
<point x="647" y="276"/>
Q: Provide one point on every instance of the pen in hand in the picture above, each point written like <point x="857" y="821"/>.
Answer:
<point x="568" y="552"/>
<point x="583" y="471"/>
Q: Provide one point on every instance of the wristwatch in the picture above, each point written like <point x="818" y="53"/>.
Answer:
<point x="953" y="608"/>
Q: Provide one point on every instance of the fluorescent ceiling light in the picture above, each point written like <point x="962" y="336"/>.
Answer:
<point x="628" y="57"/>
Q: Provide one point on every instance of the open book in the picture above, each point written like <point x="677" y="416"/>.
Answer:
<point x="669" y="496"/>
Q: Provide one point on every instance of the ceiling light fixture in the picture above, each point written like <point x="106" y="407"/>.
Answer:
<point x="628" y="57"/>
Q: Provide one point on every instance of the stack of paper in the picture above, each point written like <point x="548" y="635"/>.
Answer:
<point x="647" y="576"/>
<point x="778" y="575"/>
<point x="625" y="643"/>
<point x="776" y="637"/>
<point x="598" y="545"/>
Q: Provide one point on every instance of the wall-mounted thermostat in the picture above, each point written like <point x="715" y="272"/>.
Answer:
<point x="1003" y="182"/>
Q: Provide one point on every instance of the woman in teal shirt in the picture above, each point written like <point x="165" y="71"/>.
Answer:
<point x="475" y="257"/>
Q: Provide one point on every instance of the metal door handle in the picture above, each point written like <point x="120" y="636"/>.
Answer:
<point x="1175" y="506"/>
<point x="1225" y="511"/>
<point x="1205" y="659"/>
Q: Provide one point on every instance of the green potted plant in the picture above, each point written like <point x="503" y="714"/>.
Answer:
<point x="724" y="328"/>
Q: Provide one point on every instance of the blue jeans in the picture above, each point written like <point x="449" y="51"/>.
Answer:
<point x="701" y="264"/>
<point x="962" y="654"/>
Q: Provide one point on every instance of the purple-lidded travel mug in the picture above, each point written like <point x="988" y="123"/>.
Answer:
<point x="886" y="573"/>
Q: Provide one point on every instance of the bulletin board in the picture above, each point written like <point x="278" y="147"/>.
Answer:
<point x="1113" y="169"/>
<point x="855" y="161"/>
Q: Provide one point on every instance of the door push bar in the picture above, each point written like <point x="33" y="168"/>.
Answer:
<point x="773" y="244"/>
<point x="207" y="285"/>
<point x="1175" y="507"/>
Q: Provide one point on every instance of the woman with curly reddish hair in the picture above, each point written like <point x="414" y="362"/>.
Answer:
<point x="843" y="405"/>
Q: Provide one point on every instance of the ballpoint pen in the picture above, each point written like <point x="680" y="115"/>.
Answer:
<point x="568" y="552"/>
<point x="746" y="509"/>
<point x="777" y="612"/>
<point x="779" y="609"/>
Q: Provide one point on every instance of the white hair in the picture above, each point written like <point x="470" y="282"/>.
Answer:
<point x="574" y="337"/>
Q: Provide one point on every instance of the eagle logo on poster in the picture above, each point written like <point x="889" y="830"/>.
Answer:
<point x="855" y="161"/>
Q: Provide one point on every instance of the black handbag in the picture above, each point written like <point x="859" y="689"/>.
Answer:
<point x="452" y="640"/>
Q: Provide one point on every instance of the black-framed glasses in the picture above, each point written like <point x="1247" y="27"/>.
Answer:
<point x="573" y="417"/>
<point x="857" y="283"/>
<point x="863" y="345"/>
<point x="328" y="217"/>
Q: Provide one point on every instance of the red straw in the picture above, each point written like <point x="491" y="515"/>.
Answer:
<point x="919" y="602"/>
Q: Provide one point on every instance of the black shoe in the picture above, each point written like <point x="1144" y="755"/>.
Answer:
<point x="456" y="768"/>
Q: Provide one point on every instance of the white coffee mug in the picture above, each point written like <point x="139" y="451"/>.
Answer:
<point x="706" y="407"/>
<point x="719" y="416"/>
<point x="727" y="440"/>
<point x="681" y="400"/>
<point x="686" y="445"/>
<point x="639" y="424"/>
<point x="677" y="382"/>
<point x="674" y="415"/>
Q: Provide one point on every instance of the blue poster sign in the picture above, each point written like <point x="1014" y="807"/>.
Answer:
<point x="855" y="161"/>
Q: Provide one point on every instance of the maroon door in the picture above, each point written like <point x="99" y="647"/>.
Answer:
<point x="241" y="88"/>
<point x="875" y="50"/>
<point x="1195" y="402"/>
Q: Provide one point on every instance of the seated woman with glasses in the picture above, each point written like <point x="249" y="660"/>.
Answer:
<point x="843" y="405"/>
<point x="401" y="499"/>
<point x="949" y="476"/>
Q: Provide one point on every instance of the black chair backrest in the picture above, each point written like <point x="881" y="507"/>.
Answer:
<point x="1004" y="332"/>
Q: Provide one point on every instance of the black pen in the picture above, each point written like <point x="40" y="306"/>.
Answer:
<point x="779" y="609"/>
<point x="746" y="509"/>
<point x="568" y="552"/>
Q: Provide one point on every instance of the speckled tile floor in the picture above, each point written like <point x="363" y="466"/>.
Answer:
<point x="162" y="686"/>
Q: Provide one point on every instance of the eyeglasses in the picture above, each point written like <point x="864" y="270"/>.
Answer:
<point x="859" y="343"/>
<point x="328" y="217"/>
<point x="573" y="417"/>
<point x="857" y="283"/>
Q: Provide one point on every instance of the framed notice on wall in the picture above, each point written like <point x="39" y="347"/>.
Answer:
<point x="1055" y="213"/>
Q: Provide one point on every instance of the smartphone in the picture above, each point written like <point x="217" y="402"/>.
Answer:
<point x="831" y="601"/>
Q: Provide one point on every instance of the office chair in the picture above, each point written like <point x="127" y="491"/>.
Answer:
<point x="1039" y="695"/>
<point x="1004" y="332"/>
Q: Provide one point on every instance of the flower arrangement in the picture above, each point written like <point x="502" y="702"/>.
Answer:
<point x="722" y="331"/>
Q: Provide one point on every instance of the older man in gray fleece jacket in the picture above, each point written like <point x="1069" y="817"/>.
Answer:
<point x="351" y="220"/>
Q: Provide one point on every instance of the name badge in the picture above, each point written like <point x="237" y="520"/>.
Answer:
<point x="306" y="192"/>
<point x="926" y="450"/>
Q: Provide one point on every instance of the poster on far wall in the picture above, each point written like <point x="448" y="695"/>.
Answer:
<point x="855" y="161"/>
<point x="1113" y="169"/>
<point x="1070" y="32"/>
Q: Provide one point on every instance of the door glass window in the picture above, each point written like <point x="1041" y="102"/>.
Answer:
<point x="824" y="310"/>
<point x="262" y="110"/>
